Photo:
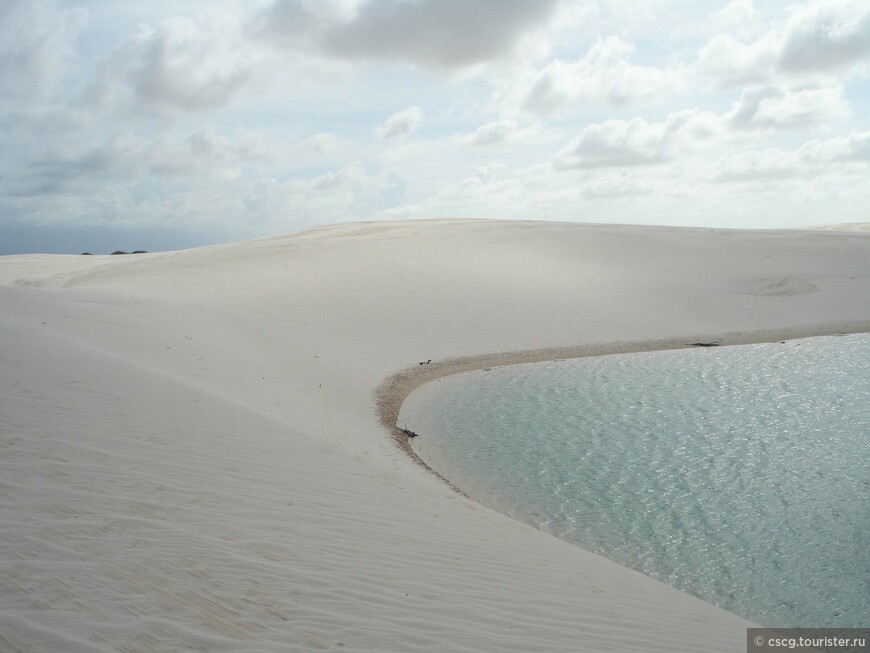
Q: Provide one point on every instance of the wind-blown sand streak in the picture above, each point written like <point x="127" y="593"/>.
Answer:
<point x="193" y="452"/>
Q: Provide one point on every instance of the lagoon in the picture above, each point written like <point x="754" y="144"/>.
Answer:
<point x="739" y="474"/>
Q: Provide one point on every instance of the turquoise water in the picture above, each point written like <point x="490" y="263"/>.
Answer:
<point x="738" y="474"/>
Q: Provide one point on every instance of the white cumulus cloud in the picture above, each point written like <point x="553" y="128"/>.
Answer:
<point x="826" y="35"/>
<point x="604" y="74"/>
<point x="770" y="107"/>
<point x="763" y="166"/>
<point x="401" y="123"/>
<point x="732" y="62"/>
<point x="498" y="132"/>
<point x="842" y="149"/>
<point x="636" y="142"/>
<point x="183" y="64"/>
<point x="822" y="36"/>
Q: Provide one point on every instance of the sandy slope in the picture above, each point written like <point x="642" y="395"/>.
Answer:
<point x="192" y="456"/>
<point x="844" y="226"/>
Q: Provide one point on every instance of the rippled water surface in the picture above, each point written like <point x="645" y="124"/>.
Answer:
<point x="739" y="474"/>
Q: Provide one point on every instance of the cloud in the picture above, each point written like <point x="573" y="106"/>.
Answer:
<point x="638" y="143"/>
<point x="774" y="108"/>
<point x="833" y="157"/>
<point x="604" y="74"/>
<point x="822" y="36"/>
<point x="437" y="35"/>
<point x="351" y="178"/>
<point x="616" y="143"/>
<point x="401" y="123"/>
<point x="497" y="132"/>
<point x="322" y="143"/>
<point x="630" y="143"/>
<point x="614" y="185"/>
<point x="826" y="35"/>
<point x="737" y="14"/>
<point x="442" y="35"/>
<point x="188" y="158"/>
<point x="491" y="133"/>
<point x="204" y="62"/>
<point x="206" y="153"/>
<point x="76" y="172"/>
<point x="764" y="166"/>
<point x="732" y="62"/>
<point x="346" y="193"/>
<point x="184" y="181"/>
<point x="36" y="45"/>
<point x="182" y="65"/>
<point x="848" y="149"/>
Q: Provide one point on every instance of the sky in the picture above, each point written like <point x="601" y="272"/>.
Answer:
<point x="163" y="125"/>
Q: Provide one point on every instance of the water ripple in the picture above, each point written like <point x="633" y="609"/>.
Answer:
<point x="740" y="474"/>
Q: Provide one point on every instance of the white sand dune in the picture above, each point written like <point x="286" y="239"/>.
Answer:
<point x="843" y="226"/>
<point x="192" y="457"/>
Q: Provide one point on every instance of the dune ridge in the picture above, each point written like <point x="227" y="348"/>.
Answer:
<point x="194" y="454"/>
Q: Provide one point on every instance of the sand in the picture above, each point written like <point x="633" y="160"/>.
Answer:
<point x="194" y="454"/>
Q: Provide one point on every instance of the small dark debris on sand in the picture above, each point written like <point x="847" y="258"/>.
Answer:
<point x="705" y="344"/>
<point x="410" y="434"/>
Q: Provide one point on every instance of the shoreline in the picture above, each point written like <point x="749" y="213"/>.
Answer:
<point x="392" y="392"/>
<point x="410" y="380"/>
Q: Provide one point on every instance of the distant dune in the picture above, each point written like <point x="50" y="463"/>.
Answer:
<point x="844" y="226"/>
<point x="193" y="455"/>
